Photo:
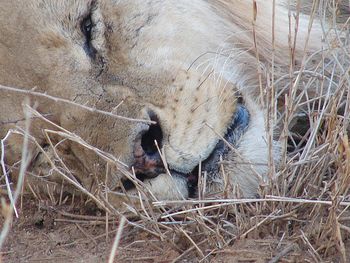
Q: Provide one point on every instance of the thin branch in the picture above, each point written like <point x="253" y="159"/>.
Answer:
<point x="61" y="100"/>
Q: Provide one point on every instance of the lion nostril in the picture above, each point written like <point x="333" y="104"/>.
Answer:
<point x="153" y="134"/>
<point x="148" y="162"/>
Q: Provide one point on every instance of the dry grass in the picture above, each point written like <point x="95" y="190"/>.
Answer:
<point x="303" y="212"/>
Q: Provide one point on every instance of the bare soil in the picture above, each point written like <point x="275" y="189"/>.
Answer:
<point x="77" y="233"/>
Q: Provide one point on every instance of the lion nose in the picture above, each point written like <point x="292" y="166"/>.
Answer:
<point x="148" y="161"/>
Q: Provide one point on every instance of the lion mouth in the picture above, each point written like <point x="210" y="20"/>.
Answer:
<point x="225" y="145"/>
<point x="150" y="165"/>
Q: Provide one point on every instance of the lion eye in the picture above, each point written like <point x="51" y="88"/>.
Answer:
<point x="87" y="28"/>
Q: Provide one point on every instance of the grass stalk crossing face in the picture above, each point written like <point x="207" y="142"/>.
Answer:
<point x="141" y="105"/>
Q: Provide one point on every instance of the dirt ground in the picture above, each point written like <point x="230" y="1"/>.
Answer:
<point x="77" y="233"/>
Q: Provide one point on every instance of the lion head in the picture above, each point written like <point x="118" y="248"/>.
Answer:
<point x="165" y="71"/>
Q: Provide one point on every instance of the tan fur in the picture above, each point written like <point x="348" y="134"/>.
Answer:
<point x="186" y="61"/>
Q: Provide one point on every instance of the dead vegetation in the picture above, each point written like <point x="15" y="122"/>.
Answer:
<point x="302" y="214"/>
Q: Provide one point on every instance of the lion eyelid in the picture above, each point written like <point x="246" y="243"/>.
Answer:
<point x="91" y="29"/>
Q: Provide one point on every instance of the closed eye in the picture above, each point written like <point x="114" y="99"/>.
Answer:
<point x="87" y="28"/>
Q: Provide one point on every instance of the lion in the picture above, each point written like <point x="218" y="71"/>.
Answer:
<point x="169" y="88"/>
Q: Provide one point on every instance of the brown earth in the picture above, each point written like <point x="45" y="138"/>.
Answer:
<point x="77" y="233"/>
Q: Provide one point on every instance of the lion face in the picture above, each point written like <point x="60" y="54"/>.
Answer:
<point x="142" y="60"/>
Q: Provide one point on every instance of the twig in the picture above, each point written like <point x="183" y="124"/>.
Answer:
<point x="86" y="234"/>
<point x="260" y="223"/>
<point x="83" y="217"/>
<point x="188" y="251"/>
<point x="89" y="222"/>
<point x="24" y="162"/>
<point x="314" y="253"/>
<point x="56" y="99"/>
<point x="4" y="171"/>
<point x="117" y="240"/>
<point x="269" y="198"/>
<point x="283" y="253"/>
<point x="193" y="243"/>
